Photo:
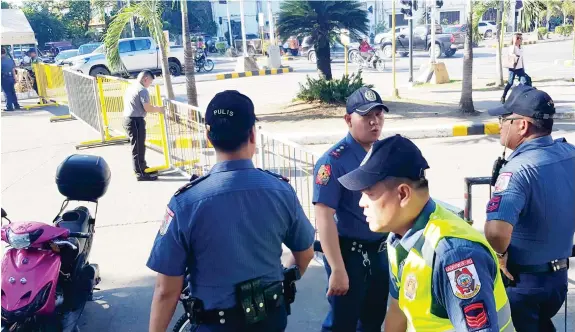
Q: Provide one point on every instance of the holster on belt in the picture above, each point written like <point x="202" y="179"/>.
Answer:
<point x="291" y="275"/>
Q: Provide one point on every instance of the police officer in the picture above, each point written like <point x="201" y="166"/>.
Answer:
<point x="28" y="61"/>
<point x="136" y="105"/>
<point x="227" y="230"/>
<point x="354" y="257"/>
<point x="8" y="81"/>
<point x="444" y="276"/>
<point x="530" y="217"/>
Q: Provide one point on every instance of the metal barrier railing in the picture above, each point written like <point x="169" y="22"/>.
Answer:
<point x="84" y="103"/>
<point x="53" y="83"/>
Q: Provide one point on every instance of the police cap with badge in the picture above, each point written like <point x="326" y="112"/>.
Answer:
<point x="526" y="101"/>
<point x="363" y="100"/>
<point x="395" y="156"/>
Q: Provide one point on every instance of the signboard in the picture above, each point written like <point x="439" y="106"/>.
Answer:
<point x="261" y="19"/>
<point x="344" y="36"/>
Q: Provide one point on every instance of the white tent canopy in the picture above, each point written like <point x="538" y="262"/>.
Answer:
<point x="16" y="29"/>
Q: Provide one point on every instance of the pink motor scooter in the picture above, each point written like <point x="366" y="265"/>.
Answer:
<point x="46" y="276"/>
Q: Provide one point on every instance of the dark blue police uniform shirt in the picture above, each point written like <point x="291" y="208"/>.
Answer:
<point x="534" y="193"/>
<point x="229" y="228"/>
<point x="339" y="160"/>
<point x="449" y="251"/>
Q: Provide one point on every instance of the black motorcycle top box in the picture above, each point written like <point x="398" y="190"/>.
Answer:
<point x="83" y="177"/>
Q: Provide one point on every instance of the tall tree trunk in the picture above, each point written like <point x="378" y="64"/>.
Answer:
<point x="189" y="58"/>
<point x="323" y="56"/>
<point x="466" y="102"/>
<point x="499" y="39"/>
<point x="168" y="89"/>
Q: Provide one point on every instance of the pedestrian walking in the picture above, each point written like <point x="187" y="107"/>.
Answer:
<point x="515" y="64"/>
<point x="8" y="81"/>
<point x="444" y="276"/>
<point x="136" y="105"/>
<point x="530" y="217"/>
<point x="354" y="256"/>
<point x="225" y="232"/>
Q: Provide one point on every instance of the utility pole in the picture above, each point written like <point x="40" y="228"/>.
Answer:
<point x="231" y="35"/>
<point x="272" y="26"/>
<point x="394" y="93"/>
<point x="432" y="48"/>
<point x="242" y="20"/>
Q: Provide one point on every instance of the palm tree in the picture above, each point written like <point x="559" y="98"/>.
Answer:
<point x="466" y="101"/>
<point x="148" y="15"/>
<point x="189" y="57"/>
<point x="322" y="20"/>
<point x="552" y="7"/>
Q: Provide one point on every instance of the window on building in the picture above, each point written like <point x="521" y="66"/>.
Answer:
<point x="448" y="18"/>
<point x="490" y="15"/>
<point x="399" y="20"/>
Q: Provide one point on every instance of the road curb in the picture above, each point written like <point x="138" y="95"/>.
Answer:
<point x="421" y="132"/>
<point x="524" y="43"/>
<point x="261" y="72"/>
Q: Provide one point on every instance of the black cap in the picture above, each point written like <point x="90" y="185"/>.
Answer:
<point x="229" y="114"/>
<point x="364" y="100"/>
<point x="394" y="156"/>
<point x="527" y="101"/>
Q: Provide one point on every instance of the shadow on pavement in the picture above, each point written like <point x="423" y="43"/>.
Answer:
<point x="127" y="309"/>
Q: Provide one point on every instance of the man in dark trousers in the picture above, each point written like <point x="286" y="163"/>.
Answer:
<point x="136" y="105"/>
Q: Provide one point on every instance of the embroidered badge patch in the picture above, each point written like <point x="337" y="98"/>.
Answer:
<point x="167" y="221"/>
<point x="370" y="95"/>
<point x="323" y="175"/>
<point x="476" y="316"/>
<point x="493" y="205"/>
<point x="502" y="182"/>
<point x="463" y="279"/>
<point x="410" y="287"/>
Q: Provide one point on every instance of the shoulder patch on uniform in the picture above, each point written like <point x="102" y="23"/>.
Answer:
<point x="463" y="278"/>
<point x="279" y="176"/>
<point x="167" y="221"/>
<point x="493" y="205"/>
<point x="337" y="150"/>
<point x="323" y="175"/>
<point x="476" y="316"/>
<point x="193" y="182"/>
<point x="410" y="287"/>
<point x="502" y="182"/>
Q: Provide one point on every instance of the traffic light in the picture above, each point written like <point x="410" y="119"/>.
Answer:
<point x="407" y="9"/>
<point x="438" y="3"/>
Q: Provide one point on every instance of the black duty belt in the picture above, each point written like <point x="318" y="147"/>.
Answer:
<point x="553" y="266"/>
<point x="363" y="246"/>
<point x="273" y="298"/>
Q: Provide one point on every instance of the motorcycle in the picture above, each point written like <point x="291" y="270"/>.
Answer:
<point x="376" y="61"/>
<point x="46" y="274"/>
<point x="203" y="63"/>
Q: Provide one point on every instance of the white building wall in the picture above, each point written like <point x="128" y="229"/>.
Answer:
<point x="250" y="14"/>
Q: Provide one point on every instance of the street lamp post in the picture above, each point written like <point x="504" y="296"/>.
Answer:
<point x="244" y="43"/>
<point x="231" y="37"/>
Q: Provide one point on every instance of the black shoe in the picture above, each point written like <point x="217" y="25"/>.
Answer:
<point x="9" y="109"/>
<point x="146" y="178"/>
<point x="18" y="107"/>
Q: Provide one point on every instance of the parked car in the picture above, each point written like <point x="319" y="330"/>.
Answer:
<point x="337" y="51"/>
<point x="398" y="30"/>
<point x="421" y="42"/>
<point x="137" y="54"/>
<point x="88" y="48"/>
<point x="458" y="34"/>
<point x="59" y="59"/>
<point x="488" y="29"/>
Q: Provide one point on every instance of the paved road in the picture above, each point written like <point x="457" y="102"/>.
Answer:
<point x="271" y="93"/>
<point x="130" y="212"/>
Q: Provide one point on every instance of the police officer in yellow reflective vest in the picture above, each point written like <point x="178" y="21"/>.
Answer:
<point x="444" y="276"/>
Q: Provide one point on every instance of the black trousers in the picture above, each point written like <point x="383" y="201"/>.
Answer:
<point x="136" y="128"/>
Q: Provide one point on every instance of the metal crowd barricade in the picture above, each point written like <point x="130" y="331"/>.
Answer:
<point x="291" y="161"/>
<point x="467" y="194"/>
<point x="84" y="103"/>
<point x="54" y="88"/>
<point x="189" y="149"/>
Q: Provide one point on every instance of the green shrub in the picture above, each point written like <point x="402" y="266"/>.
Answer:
<point x="559" y="30"/>
<point x="221" y="47"/>
<point x="567" y="29"/>
<point x="542" y="32"/>
<point x="335" y="91"/>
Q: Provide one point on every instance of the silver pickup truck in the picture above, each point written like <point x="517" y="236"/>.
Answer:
<point x="137" y="54"/>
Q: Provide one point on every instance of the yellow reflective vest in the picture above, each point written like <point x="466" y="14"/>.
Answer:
<point x="415" y="294"/>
